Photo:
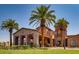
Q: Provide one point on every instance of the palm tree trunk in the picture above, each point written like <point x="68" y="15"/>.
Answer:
<point x="10" y="31"/>
<point x="51" y="41"/>
<point x="42" y="31"/>
<point x="56" y="35"/>
<point x="65" y="41"/>
<point x="64" y="45"/>
<point x="61" y="38"/>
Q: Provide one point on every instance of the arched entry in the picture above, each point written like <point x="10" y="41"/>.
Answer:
<point x="16" y="40"/>
<point x="30" y="39"/>
<point x="22" y="40"/>
<point x="47" y="42"/>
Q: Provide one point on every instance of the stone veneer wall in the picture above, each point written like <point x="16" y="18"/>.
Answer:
<point x="25" y="33"/>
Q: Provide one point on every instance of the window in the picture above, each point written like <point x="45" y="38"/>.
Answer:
<point x="73" y="43"/>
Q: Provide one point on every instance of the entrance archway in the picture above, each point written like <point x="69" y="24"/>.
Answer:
<point x="16" y="40"/>
<point x="22" y="40"/>
<point x="30" y="39"/>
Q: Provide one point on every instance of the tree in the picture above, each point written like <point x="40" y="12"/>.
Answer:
<point x="62" y="24"/>
<point x="42" y="16"/>
<point x="9" y="25"/>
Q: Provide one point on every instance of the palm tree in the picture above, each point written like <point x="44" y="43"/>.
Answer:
<point x="9" y="25"/>
<point x="44" y="17"/>
<point x="62" y="24"/>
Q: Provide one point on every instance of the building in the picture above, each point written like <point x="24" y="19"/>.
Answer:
<point x="73" y="40"/>
<point x="56" y="38"/>
<point x="26" y="36"/>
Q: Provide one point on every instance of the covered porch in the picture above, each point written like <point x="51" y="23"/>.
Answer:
<point x="48" y="42"/>
<point x="26" y="37"/>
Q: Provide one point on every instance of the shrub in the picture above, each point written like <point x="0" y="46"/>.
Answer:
<point x="43" y="48"/>
<point x="4" y="47"/>
<point x="20" y="47"/>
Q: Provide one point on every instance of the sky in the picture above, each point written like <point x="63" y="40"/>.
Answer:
<point x="22" y="12"/>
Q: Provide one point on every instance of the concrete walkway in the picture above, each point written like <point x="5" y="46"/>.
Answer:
<point x="63" y="48"/>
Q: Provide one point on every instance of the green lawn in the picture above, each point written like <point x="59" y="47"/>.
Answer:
<point x="39" y="51"/>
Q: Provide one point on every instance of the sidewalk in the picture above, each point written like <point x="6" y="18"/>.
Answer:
<point x="63" y="48"/>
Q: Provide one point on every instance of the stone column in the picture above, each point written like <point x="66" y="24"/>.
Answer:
<point x="51" y="40"/>
<point x="19" y="37"/>
<point x="26" y="40"/>
<point x="68" y="43"/>
<point x="13" y="40"/>
<point x="36" y="39"/>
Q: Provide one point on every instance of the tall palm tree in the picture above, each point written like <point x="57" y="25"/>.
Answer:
<point x="9" y="25"/>
<point x="62" y="24"/>
<point x="44" y="17"/>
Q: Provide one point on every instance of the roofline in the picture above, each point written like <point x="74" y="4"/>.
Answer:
<point x="25" y="29"/>
<point x="46" y="27"/>
<point x="74" y="35"/>
<point x="70" y="36"/>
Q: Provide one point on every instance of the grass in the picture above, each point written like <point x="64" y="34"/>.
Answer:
<point x="39" y="51"/>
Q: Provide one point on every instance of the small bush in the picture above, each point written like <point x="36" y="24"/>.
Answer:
<point x="4" y="47"/>
<point x="15" y="47"/>
<point x="20" y="47"/>
<point x="43" y="48"/>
